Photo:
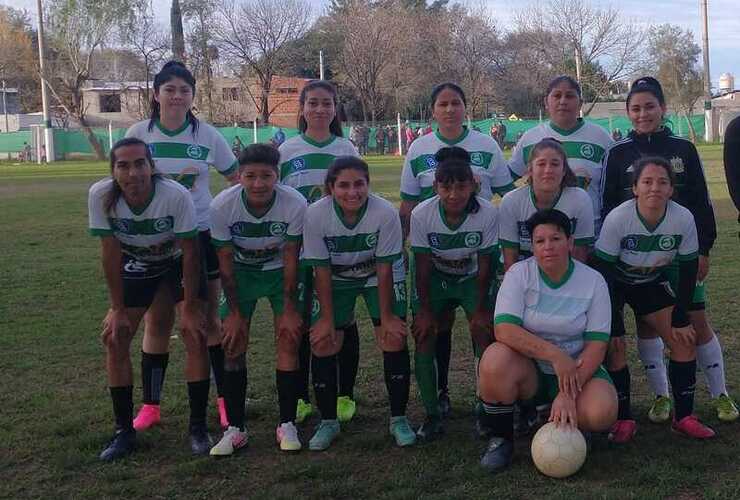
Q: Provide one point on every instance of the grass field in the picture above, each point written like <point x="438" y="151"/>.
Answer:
<point x="56" y="413"/>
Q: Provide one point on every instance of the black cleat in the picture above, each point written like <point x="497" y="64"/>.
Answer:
<point x="123" y="443"/>
<point x="200" y="441"/>
<point x="498" y="454"/>
<point x="445" y="407"/>
<point x="431" y="429"/>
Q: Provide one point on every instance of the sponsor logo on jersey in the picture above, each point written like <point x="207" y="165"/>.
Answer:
<point x="278" y="228"/>
<point x="434" y="240"/>
<point x="330" y="245"/>
<point x="666" y="243"/>
<point x="239" y="228"/>
<point x="299" y="164"/>
<point x="122" y="225"/>
<point x="587" y="151"/>
<point x="472" y="240"/>
<point x="162" y="224"/>
<point x="135" y="266"/>
<point x="630" y="243"/>
<point x="476" y="159"/>
<point x="677" y="165"/>
<point x="371" y="240"/>
<point x="431" y="162"/>
<point x="194" y="152"/>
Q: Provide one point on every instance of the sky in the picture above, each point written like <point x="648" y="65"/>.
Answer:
<point x="724" y="22"/>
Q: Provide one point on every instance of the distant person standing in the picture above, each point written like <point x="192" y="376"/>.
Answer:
<point x="278" y="138"/>
<point x="410" y="135"/>
<point x="732" y="161"/>
<point x="237" y="146"/>
<point x="379" y="140"/>
<point x="501" y="135"/>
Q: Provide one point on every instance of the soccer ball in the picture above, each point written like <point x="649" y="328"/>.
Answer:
<point x="558" y="451"/>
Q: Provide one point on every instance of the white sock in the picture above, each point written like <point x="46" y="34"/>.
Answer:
<point x="710" y="361"/>
<point x="653" y="360"/>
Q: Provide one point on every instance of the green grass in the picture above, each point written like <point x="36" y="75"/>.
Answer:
<point x="56" y="412"/>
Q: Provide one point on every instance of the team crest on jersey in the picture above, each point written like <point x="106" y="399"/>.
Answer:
<point x="371" y="240"/>
<point x="122" y="225"/>
<point x="630" y="243"/>
<point x="587" y="151"/>
<point x="299" y="164"/>
<point x="476" y="159"/>
<point x="194" y="151"/>
<point x="330" y="245"/>
<point x="434" y="240"/>
<point x="278" y="228"/>
<point x="666" y="243"/>
<point x="163" y="224"/>
<point x="677" y="165"/>
<point x="431" y="162"/>
<point x="472" y="240"/>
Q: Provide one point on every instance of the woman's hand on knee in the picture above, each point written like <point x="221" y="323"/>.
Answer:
<point x="683" y="337"/>
<point x="423" y="326"/>
<point x="392" y="333"/>
<point x="116" y="328"/>
<point x="235" y="334"/>
<point x="563" y="411"/>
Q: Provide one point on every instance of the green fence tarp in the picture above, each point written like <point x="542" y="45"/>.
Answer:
<point x="72" y="143"/>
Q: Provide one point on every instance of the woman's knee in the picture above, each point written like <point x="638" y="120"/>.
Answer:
<point x="597" y="406"/>
<point x="500" y="372"/>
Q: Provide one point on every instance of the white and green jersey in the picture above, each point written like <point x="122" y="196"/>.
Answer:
<point x="567" y="314"/>
<point x="454" y="250"/>
<point x="146" y="234"/>
<point x="585" y="146"/>
<point x="519" y="205"/>
<point x="486" y="160"/>
<point x="258" y="242"/>
<point x="304" y="162"/>
<point x="185" y="157"/>
<point x="352" y="251"/>
<point x="641" y="253"/>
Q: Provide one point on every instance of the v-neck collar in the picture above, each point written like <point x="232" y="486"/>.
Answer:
<point x="269" y="205"/>
<point x="139" y="211"/>
<point x="317" y="143"/>
<point x="562" y="131"/>
<point x="444" y="219"/>
<point x="340" y="215"/>
<point x="557" y="284"/>
<point x="534" y="199"/>
<point x="172" y="133"/>
<point x="452" y="142"/>
<point x="645" y="223"/>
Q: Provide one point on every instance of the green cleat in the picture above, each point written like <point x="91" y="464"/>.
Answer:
<point x="346" y="409"/>
<point x="431" y="429"/>
<point x="303" y="410"/>
<point x="726" y="408"/>
<point x="402" y="432"/>
<point x="660" y="412"/>
<point x="325" y="433"/>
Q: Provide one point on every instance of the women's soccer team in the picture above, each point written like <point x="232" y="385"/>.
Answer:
<point x="542" y="277"/>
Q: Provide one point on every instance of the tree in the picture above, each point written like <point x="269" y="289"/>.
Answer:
<point x="178" y="37"/>
<point x="256" y="35"/>
<point x="76" y="29"/>
<point x="203" y="53"/>
<point x="18" y="61"/>
<point x="675" y="53"/>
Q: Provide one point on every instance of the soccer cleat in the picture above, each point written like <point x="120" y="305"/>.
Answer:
<point x="498" y="454"/>
<point x="690" y="426"/>
<point x="660" y="412"/>
<point x="326" y="432"/>
<point x="287" y="437"/>
<point x="232" y="440"/>
<point x="402" y="432"/>
<point x="346" y="408"/>
<point x="123" y="443"/>
<point x="431" y="429"/>
<point x="222" y="416"/>
<point x="726" y="408"/>
<point x="622" y="431"/>
<point x="200" y="441"/>
<point x="147" y="417"/>
<point x="304" y="409"/>
<point x="445" y="407"/>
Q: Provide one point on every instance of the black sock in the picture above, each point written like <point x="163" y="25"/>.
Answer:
<point x="304" y="368"/>
<point x="325" y="385"/>
<point x="442" y="355"/>
<point x="198" y="394"/>
<point x="621" y="379"/>
<point x="348" y="359"/>
<point x="498" y="417"/>
<point x="216" y="355"/>
<point x="123" y="406"/>
<point x="397" y="368"/>
<point x="682" y="375"/>
<point x="235" y="393"/>
<point x="287" y="399"/>
<point x="153" y="368"/>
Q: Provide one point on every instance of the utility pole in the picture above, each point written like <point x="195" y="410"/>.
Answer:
<point x="321" y="65"/>
<point x="578" y="74"/>
<point x="708" y="112"/>
<point x="48" y="132"/>
<point x="5" y="108"/>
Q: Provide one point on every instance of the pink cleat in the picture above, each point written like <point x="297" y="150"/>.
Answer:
<point x="690" y="426"/>
<point x="147" y="417"/>
<point x="622" y="431"/>
<point x="222" y="416"/>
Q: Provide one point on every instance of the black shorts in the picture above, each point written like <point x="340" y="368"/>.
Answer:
<point x="644" y="299"/>
<point x="208" y="257"/>
<point x="142" y="280"/>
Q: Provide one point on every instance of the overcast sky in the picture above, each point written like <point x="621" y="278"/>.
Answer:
<point x="724" y="22"/>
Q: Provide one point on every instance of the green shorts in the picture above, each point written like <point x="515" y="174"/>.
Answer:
<point x="344" y="299"/>
<point x="446" y="294"/>
<point x="254" y="285"/>
<point x="547" y="385"/>
<point x="698" y="301"/>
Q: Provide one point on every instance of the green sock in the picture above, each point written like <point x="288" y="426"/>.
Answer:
<point x="425" y="370"/>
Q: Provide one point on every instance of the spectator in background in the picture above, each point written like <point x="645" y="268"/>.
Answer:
<point x="237" y="146"/>
<point x="278" y="138"/>
<point x="410" y="135"/>
<point x="428" y="129"/>
<point x="732" y="161"/>
<point x="501" y="135"/>
<point x="353" y="135"/>
<point x="379" y="140"/>
<point x="390" y="139"/>
<point x="365" y="139"/>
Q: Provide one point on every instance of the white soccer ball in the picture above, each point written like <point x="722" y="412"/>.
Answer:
<point x="558" y="451"/>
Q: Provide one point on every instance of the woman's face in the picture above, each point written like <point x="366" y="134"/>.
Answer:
<point x="653" y="188"/>
<point x="259" y="182"/>
<point x="563" y="105"/>
<point x="645" y="112"/>
<point x="174" y="96"/>
<point x="350" y="190"/>
<point x="318" y="109"/>
<point x="449" y="109"/>
<point x="455" y="195"/>
<point x="551" y="247"/>
<point x="547" y="170"/>
<point x="132" y="171"/>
